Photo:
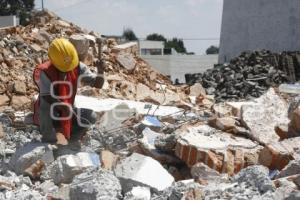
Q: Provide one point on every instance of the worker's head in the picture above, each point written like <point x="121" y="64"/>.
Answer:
<point x="63" y="55"/>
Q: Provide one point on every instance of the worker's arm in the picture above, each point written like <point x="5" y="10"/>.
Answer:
<point x="89" y="78"/>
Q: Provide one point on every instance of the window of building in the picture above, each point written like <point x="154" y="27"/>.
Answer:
<point x="151" y="51"/>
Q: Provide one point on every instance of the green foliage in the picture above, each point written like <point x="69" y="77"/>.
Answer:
<point x="212" y="50"/>
<point x="129" y="35"/>
<point x="21" y="8"/>
<point x="177" y="44"/>
<point x="156" y="37"/>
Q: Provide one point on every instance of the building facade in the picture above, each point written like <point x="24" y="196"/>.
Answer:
<point x="259" y="24"/>
<point x="176" y="66"/>
<point x="173" y="64"/>
<point x="148" y="47"/>
<point x="7" y="21"/>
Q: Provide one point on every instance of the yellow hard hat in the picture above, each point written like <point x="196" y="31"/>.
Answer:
<point x="63" y="55"/>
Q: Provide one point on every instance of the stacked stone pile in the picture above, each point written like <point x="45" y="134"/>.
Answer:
<point x="249" y="75"/>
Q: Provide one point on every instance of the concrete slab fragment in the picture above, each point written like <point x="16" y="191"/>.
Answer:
<point x="262" y="118"/>
<point x="29" y="154"/>
<point x="99" y="105"/>
<point x="220" y="151"/>
<point x="95" y="184"/>
<point x="64" y="168"/>
<point x="139" y="170"/>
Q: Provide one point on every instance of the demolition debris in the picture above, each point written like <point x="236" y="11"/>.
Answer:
<point x="152" y="140"/>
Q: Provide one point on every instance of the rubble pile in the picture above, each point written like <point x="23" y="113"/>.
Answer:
<point x="249" y="75"/>
<point x="126" y="75"/>
<point x="151" y="140"/>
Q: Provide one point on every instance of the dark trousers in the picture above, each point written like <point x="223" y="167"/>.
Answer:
<point x="82" y="120"/>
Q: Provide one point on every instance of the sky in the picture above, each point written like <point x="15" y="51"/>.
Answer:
<point x="186" y="19"/>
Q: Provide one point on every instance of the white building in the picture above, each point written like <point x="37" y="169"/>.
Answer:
<point x="147" y="47"/>
<point x="7" y="21"/>
<point x="174" y="65"/>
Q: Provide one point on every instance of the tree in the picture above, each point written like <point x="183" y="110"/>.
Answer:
<point x="177" y="44"/>
<point x="212" y="50"/>
<point x="129" y="35"/>
<point x="156" y="37"/>
<point x="21" y="8"/>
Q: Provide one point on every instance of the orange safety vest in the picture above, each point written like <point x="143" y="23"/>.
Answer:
<point x="60" y="91"/>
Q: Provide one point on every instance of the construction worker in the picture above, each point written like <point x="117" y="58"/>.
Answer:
<point x="57" y="80"/>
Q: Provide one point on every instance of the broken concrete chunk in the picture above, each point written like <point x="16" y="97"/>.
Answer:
<point x="20" y="87"/>
<point x="4" y="100"/>
<point x="257" y="176"/>
<point x="202" y="173"/>
<point x="275" y="156"/>
<point x="147" y="144"/>
<point x="220" y="151"/>
<point x="48" y="188"/>
<point x="2" y="134"/>
<point x="35" y="170"/>
<point x="261" y="118"/>
<point x="130" y="47"/>
<point x="278" y="154"/>
<point x="81" y="43"/>
<point x="95" y="184"/>
<point x="196" y="90"/>
<point x="23" y="192"/>
<point x="166" y="143"/>
<point x="282" y="130"/>
<point x="29" y="154"/>
<point x="297" y="181"/>
<point x="149" y="138"/>
<point x="5" y="119"/>
<point x="36" y="47"/>
<point x="114" y="118"/>
<point x="7" y="183"/>
<point x="99" y="105"/>
<point x="292" y="168"/>
<point x="193" y="194"/>
<point x="222" y="110"/>
<point x="62" y="193"/>
<point x="65" y="167"/>
<point x="288" y="193"/>
<point x="138" y="193"/>
<point x="286" y="183"/>
<point x="295" y="121"/>
<point x="126" y="60"/>
<point x="224" y="123"/>
<point x="142" y="92"/>
<point x="19" y="102"/>
<point x="139" y="170"/>
<point x="235" y="107"/>
<point x="294" y="104"/>
<point x="187" y="189"/>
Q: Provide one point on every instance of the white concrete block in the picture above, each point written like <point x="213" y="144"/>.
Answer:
<point x="139" y="170"/>
<point x="99" y="105"/>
